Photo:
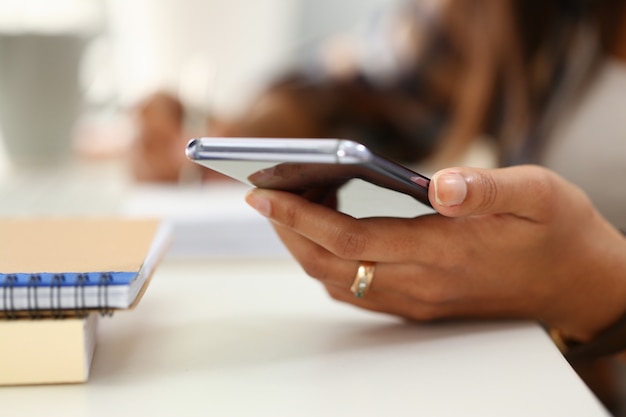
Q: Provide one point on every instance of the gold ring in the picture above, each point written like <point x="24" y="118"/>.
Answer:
<point x="363" y="279"/>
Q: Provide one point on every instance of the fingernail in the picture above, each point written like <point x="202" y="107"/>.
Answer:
<point x="259" y="203"/>
<point x="450" y="189"/>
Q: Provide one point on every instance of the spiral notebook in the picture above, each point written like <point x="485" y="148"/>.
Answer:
<point x="60" y="266"/>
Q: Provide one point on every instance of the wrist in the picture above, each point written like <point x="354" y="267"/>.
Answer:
<point x="605" y="331"/>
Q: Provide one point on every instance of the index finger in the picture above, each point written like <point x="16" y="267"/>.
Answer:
<point x="372" y="239"/>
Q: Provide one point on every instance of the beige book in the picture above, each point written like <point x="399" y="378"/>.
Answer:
<point x="47" y="351"/>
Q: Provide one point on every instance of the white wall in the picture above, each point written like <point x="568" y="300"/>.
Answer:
<point x="241" y="41"/>
<point x="318" y="19"/>
<point x="231" y="42"/>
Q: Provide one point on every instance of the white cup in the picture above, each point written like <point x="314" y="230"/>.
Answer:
<point x="40" y="97"/>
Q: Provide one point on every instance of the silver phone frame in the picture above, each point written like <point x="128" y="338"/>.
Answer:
<point x="341" y="151"/>
<point x="211" y="151"/>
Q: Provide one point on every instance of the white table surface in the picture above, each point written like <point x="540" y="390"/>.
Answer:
<point x="255" y="338"/>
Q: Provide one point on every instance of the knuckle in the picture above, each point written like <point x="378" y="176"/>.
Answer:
<point x="489" y="192"/>
<point x="291" y="217"/>
<point x="350" y="244"/>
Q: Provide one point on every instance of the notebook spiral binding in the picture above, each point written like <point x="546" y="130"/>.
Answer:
<point x="7" y="295"/>
<point x="33" y="283"/>
<point x="103" y="294"/>
<point x="79" y="294"/>
<point x="55" y="311"/>
<point x="55" y="287"/>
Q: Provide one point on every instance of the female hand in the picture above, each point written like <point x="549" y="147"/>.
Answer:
<point x="517" y="242"/>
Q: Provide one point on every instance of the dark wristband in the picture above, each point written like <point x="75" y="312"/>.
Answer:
<point x="610" y="342"/>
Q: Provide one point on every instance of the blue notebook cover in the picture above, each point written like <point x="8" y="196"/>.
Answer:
<point x="47" y="279"/>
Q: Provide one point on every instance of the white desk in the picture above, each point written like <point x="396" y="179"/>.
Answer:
<point x="260" y="338"/>
<point x="253" y="337"/>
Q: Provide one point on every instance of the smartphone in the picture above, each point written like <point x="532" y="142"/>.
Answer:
<point x="298" y="165"/>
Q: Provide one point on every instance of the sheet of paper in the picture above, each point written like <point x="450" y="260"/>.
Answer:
<point x="208" y="221"/>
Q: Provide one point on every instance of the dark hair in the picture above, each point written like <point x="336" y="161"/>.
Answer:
<point x="523" y="62"/>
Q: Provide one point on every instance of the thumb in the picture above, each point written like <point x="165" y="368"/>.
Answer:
<point x="457" y="192"/>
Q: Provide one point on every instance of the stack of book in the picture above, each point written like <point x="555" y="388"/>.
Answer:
<point x="57" y="276"/>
